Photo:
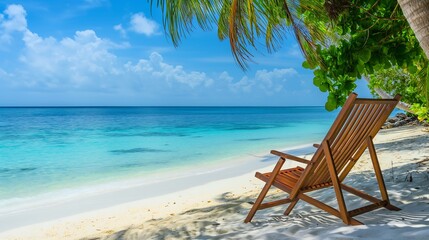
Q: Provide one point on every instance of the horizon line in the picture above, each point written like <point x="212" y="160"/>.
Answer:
<point x="148" y="106"/>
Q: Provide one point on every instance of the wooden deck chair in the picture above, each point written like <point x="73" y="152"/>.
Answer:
<point x="351" y="133"/>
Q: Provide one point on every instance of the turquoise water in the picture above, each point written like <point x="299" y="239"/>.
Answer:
<point x="45" y="150"/>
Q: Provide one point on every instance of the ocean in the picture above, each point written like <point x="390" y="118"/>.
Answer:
<point x="49" y="150"/>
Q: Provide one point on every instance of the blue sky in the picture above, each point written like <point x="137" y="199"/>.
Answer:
<point x="115" y="53"/>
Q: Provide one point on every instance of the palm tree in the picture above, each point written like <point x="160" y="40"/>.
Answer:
<point x="246" y="22"/>
<point x="417" y="14"/>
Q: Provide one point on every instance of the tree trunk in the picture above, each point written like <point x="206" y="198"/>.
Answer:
<point x="417" y="14"/>
<point x="384" y="95"/>
<point x="401" y="105"/>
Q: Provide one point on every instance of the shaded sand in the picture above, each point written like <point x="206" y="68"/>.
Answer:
<point x="216" y="209"/>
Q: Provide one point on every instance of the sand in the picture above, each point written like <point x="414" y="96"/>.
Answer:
<point x="213" y="205"/>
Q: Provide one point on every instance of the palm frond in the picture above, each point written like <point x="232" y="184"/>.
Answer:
<point x="245" y="22"/>
<point x="179" y="16"/>
<point x="243" y="29"/>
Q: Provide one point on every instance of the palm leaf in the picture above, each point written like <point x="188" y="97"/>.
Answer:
<point x="180" y="16"/>
<point x="246" y="22"/>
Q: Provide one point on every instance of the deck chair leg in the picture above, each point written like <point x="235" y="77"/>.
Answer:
<point x="336" y="183"/>
<point x="326" y="208"/>
<point x="291" y="206"/>
<point x="264" y="191"/>
<point x="379" y="175"/>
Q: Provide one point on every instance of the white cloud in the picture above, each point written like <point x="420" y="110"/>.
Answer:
<point x="269" y="81"/>
<point x="139" y="24"/>
<point x="13" y="20"/>
<point x="83" y="61"/>
<point x="16" y="18"/>
<point x="120" y="29"/>
<point x="87" y="62"/>
<point x="156" y="68"/>
<point x="274" y="81"/>
<point x="226" y="77"/>
<point x="142" y="25"/>
<point x="266" y="75"/>
<point x="245" y="84"/>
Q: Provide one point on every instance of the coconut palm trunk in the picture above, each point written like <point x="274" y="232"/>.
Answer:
<point x="384" y="95"/>
<point x="417" y="14"/>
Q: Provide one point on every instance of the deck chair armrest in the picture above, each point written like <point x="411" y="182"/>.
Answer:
<point x="316" y="145"/>
<point x="291" y="157"/>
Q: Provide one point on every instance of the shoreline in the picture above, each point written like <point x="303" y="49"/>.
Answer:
<point x="170" y="205"/>
<point x="69" y="202"/>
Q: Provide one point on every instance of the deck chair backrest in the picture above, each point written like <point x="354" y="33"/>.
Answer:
<point x="358" y="120"/>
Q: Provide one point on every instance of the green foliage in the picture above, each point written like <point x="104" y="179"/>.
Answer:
<point x="373" y="36"/>
<point x="398" y="81"/>
<point x="427" y="86"/>
<point x="411" y="86"/>
<point x="421" y="111"/>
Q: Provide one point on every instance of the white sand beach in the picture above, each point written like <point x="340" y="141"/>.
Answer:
<point x="213" y="205"/>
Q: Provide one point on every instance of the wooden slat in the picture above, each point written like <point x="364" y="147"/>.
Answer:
<point x="371" y="101"/>
<point x="345" y="136"/>
<point x="291" y="157"/>
<point x="323" y="173"/>
<point x="339" y="152"/>
<point x="285" y="180"/>
<point x="317" y="187"/>
<point x="368" y="197"/>
<point x="355" y="134"/>
<point x="362" y="133"/>
<point x="382" y="117"/>
<point x="274" y="203"/>
<point x="332" y="131"/>
<point x="297" y="174"/>
<point x="317" y="172"/>
<point x="367" y="208"/>
<point x="277" y="184"/>
<point x="356" y="112"/>
<point x="360" y="193"/>
<point x="342" y="116"/>
<point x="359" y="136"/>
<point x="326" y="208"/>
<point x="292" y="174"/>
